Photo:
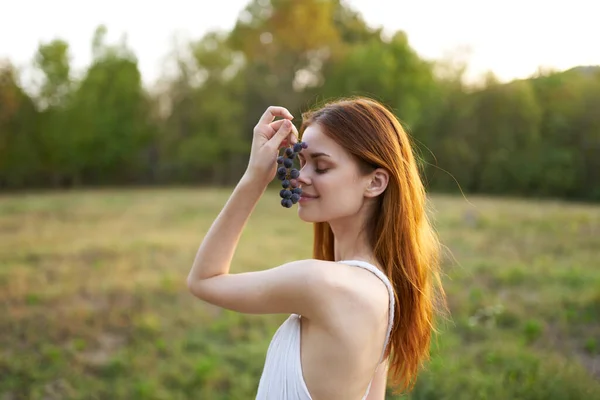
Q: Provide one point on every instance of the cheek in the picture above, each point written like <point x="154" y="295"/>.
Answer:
<point x="340" y="188"/>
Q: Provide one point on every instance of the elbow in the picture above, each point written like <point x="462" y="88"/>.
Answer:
<point x="201" y="287"/>
<point x="192" y="285"/>
<point x="197" y="287"/>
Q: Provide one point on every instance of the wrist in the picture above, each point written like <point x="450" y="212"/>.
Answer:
<point x="250" y="179"/>
<point x="250" y="183"/>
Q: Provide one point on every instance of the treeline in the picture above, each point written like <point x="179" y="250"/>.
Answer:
<point x="534" y="137"/>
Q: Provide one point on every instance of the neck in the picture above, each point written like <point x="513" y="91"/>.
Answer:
<point x="351" y="240"/>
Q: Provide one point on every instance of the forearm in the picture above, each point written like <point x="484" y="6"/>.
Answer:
<point x="218" y="247"/>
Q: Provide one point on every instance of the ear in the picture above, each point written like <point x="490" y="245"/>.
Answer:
<point x="378" y="182"/>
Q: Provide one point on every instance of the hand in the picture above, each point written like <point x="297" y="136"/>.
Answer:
<point x="269" y="137"/>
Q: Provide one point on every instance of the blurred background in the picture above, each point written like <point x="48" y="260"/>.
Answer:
<point x="124" y="126"/>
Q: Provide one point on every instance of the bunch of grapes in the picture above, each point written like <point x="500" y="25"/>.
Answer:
<point x="290" y="194"/>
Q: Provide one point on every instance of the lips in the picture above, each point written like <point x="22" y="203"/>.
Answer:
<point x="304" y="197"/>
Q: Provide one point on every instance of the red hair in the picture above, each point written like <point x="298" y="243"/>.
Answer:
<point x="402" y="238"/>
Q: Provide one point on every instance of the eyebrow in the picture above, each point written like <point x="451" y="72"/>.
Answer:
<point x="315" y="154"/>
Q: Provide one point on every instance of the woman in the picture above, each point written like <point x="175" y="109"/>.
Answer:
<point x="363" y="308"/>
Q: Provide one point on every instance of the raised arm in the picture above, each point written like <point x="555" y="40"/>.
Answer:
<point x="285" y="289"/>
<point x="216" y="250"/>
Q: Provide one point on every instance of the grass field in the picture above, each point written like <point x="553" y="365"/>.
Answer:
<point x="94" y="303"/>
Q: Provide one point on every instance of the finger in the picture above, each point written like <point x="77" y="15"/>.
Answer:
<point x="294" y="135"/>
<point x="272" y="112"/>
<point x="270" y="130"/>
<point x="292" y="139"/>
<point x="274" y="127"/>
<point x="276" y="124"/>
<point x="283" y="132"/>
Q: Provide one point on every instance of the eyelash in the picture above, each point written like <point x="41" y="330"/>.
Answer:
<point x="317" y="170"/>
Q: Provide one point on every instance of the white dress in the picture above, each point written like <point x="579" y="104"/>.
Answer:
<point x="282" y="377"/>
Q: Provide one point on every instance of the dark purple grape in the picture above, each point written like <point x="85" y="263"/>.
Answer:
<point x="290" y="194"/>
<point x="304" y="145"/>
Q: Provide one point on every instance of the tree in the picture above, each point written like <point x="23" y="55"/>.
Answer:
<point x="19" y="155"/>
<point x="204" y="137"/>
<point x="111" y="117"/>
<point x="571" y="133"/>
<point x="389" y="71"/>
<point x="56" y="144"/>
<point x="54" y="62"/>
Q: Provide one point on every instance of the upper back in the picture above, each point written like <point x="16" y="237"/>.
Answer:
<point x="340" y="354"/>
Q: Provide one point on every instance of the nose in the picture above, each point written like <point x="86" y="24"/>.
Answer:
<point x="303" y="179"/>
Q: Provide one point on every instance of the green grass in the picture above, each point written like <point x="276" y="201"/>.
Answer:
<point x="94" y="304"/>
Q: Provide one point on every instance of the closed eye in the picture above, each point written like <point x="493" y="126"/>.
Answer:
<point x="303" y="162"/>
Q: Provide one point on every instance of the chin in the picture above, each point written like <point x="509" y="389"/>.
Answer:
<point x="304" y="216"/>
<point x="307" y="216"/>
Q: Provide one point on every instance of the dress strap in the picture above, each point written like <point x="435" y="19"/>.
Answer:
<point x="386" y="281"/>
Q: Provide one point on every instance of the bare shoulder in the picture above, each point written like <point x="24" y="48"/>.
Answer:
<point x="348" y="284"/>
<point x="360" y="283"/>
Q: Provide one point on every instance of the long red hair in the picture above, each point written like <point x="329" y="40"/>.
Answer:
<point x="403" y="240"/>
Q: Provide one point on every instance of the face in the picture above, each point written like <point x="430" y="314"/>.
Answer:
<point x="332" y="185"/>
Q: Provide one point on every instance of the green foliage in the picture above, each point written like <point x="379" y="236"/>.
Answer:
<point x="388" y="71"/>
<point x="53" y="60"/>
<point x="534" y="137"/>
<point x="19" y="133"/>
<point x="111" y="111"/>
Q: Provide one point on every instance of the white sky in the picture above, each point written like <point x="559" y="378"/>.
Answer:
<point x="511" y="38"/>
